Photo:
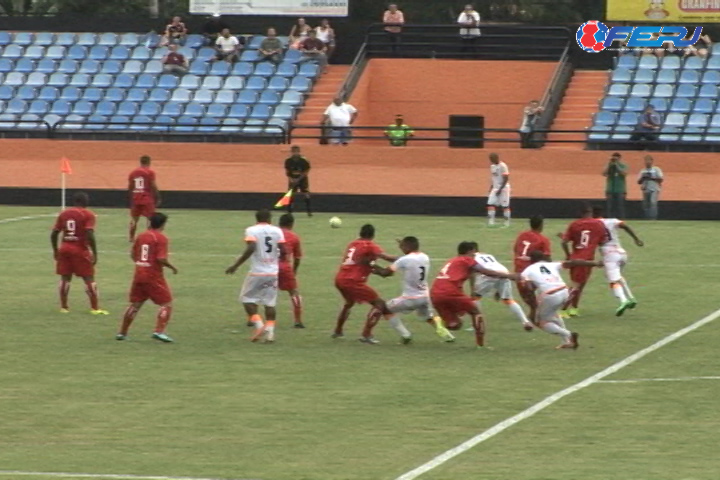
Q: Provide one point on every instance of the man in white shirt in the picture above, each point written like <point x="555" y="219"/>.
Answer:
<point x="264" y="248"/>
<point x="228" y="46"/>
<point x="499" y="195"/>
<point x="339" y="117"/>
<point x="650" y="180"/>
<point x="469" y="19"/>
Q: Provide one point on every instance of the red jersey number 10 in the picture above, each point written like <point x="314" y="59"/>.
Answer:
<point x="139" y="183"/>
<point x="144" y="252"/>
<point x="70" y="227"/>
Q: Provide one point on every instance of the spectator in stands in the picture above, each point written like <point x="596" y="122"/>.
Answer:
<point x="339" y="117"/>
<point x="530" y="115"/>
<point x="701" y="48"/>
<point x="615" y="187"/>
<point x="650" y="180"/>
<point x="658" y="52"/>
<point x="393" y="20"/>
<point x="399" y="133"/>
<point x="213" y="28"/>
<point x="648" y="125"/>
<point x="228" y="46"/>
<point x="314" y="49"/>
<point x="175" y="33"/>
<point x="175" y="62"/>
<point x="469" y="19"/>
<point x="299" y="32"/>
<point x="271" y="48"/>
<point x="327" y="35"/>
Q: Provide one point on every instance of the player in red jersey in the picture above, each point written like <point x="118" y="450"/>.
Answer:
<point x="144" y="195"/>
<point x="77" y="254"/>
<point x="150" y="254"/>
<point x="448" y="297"/>
<point x="351" y="281"/>
<point x="286" y="275"/>
<point x="585" y="234"/>
<point x="529" y="241"/>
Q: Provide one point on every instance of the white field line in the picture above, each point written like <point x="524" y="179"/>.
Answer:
<point x="554" y="398"/>
<point x="20" y="473"/>
<point x="644" y="380"/>
<point x="27" y="217"/>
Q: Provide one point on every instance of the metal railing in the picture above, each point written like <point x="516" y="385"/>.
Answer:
<point x="356" y="70"/>
<point x="552" y="98"/>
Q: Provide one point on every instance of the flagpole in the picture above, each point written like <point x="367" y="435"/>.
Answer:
<point x="62" y="190"/>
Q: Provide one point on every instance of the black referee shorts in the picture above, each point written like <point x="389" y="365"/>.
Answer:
<point x="303" y="186"/>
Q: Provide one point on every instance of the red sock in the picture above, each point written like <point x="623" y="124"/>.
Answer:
<point x="64" y="293"/>
<point x="342" y="318"/>
<point x="163" y="317"/>
<point x="133" y="229"/>
<point x="373" y="317"/>
<point x="128" y="318"/>
<point x="297" y="308"/>
<point x="479" y="325"/>
<point x="92" y="293"/>
<point x="575" y="300"/>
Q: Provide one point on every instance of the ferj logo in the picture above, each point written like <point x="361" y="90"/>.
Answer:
<point x="594" y="36"/>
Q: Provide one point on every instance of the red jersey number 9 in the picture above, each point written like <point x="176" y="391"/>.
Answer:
<point x="70" y="227"/>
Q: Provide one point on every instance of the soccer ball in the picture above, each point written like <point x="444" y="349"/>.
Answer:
<point x="335" y="222"/>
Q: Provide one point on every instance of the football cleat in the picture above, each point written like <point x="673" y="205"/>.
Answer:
<point x="250" y="324"/>
<point x="529" y="327"/>
<point x="621" y="309"/>
<point x="163" y="337"/>
<point x="257" y="334"/>
<point x="269" y="337"/>
<point x="99" y="312"/>
<point x="406" y="340"/>
<point x="298" y="325"/>
<point x="120" y="336"/>
<point x="632" y="302"/>
<point x="64" y="310"/>
<point x="369" y="340"/>
<point x="573" y="312"/>
<point x="337" y="335"/>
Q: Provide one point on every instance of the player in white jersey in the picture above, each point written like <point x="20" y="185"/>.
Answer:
<point x="543" y="276"/>
<point x="499" y="195"/>
<point x="615" y="258"/>
<point x="264" y="247"/>
<point x="415" y="269"/>
<point x="501" y="288"/>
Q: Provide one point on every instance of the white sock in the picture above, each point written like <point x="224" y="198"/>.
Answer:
<point x="554" y="329"/>
<point x="259" y="324"/>
<point x="626" y="287"/>
<point x="491" y="215"/>
<point x="618" y="291"/>
<point x="399" y="326"/>
<point x="270" y="328"/>
<point x="506" y="212"/>
<point x="518" y="312"/>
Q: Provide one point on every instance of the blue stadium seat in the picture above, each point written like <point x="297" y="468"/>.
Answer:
<point x="311" y="70"/>
<point x="29" y="122"/>
<point x="231" y="125"/>
<point x="172" y="109"/>
<point x="189" y="53"/>
<point x="7" y="93"/>
<point x="65" y="39"/>
<point x="119" y="122"/>
<point x="23" y="38"/>
<point x="129" y="39"/>
<point x="621" y="133"/>
<point x="269" y="97"/>
<point x="644" y="75"/>
<point x="666" y="76"/>
<point x="205" y="54"/>
<point x="186" y="124"/>
<point x="234" y="83"/>
<point x="605" y="118"/>
<point x="238" y="111"/>
<point x="145" y="81"/>
<point x="150" y="108"/>
<point x="293" y="97"/>
<point x="96" y="122"/>
<point x="628" y="118"/>
<point x="627" y="61"/>
<point x="89" y="66"/>
<point x="114" y="94"/>
<point x="103" y="80"/>
<point x="203" y="96"/>
<point x="86" y="39"/>
<point x="243" y="69"/>
<point x="58" y="80"/>
<point x="212" y="82"/>
<point x="99" y="52"/>
<point x="180" y="95"/>
<point x="261" y="112"/>
<point x="289" y="70"/>
<point x="168" y="82"/>
<point x="216" y="110"/>
<point x="56" y="52"/>
<point x="124" y="80"/>
<point x="664" y="90"/>
<point x="46" y="65"/>
<point x="5" y="38"/>
<point x="77" y="53"/>
<point x="51" y="118"/>
<point x="34" y="52"/>
<point x="60" y="107"/>
<point x="599" y="132"/>
<point x="278" y="84"/>
<point x="248" y="97"/>
<point x="713" y="63"/>
<point x="163" y="122"/>
<point x="68" y="66"/>
<point x="93" y="94"/>
<point x="254" y="126"/>
<point x="256" y="83"/>
<point x="698" y="120"/>
<point x="670" y="62"/>
<point x="72" y="122"/>
<point x="8" y="120"/>
<point x="225" y="96"/>
<point x="70" y="94"/>
<point x="618" y="75"/>
<point x="105" y="108"/>
<point x="25" y="65"/>
<point x="36" y="79"/>
<point x="190" y="81"/>
<point x="284" y="111"/>
<point x="153" y="67"/>
<point x="107" y="39"/>
<point x="254" y="42"/>
<point x="712" y="134"/>
<point x="648" y="61"/>
<point x="159" y="53"/>
<point x="694" y="63"/>
<point x="111" y="67"/>
<point x="675" y="120"/>
<point x="83" y="107"/>
<point x="6" y="65"/>
<point x="133" y="67"/>
<point x="689" y="76"/>
<point x="49" y="94"/>
<point x="264" y="69"/>
<point x="660" y="104"/>
<point x="209" y="125"/>
<point x="715" y="120"/>
<point x="26" y="93"/>
<point x="137" y="95"/>
<point x="681" y="105"/>
<point x="686" y="90"/>
<point x="13" y="51"/>
<point x="44" y="39"/>
<point x="39" y="107"/>
<point x="708" y="91"/>
<point x="249" y="56"/>
<point x="194" y="109"/>
<point x="711" y="77"/>
<point x="119" y="52"/>
<point x="704" y="105"/>
<point x="293" y="56"/>
<point x="141" y="123"/>
<point x="303" y="84"/>
<point x="220" y="68"/>
<point x="611" y="104"/>
<point x="692" y="134"/>
<point x="159" y="95"/>
<point x="198" y="67"/>
<point x="194" y="41"/>
<point x="141" y="53"/>
<point x="127" y="108"/>
<point x="14" y="79"/>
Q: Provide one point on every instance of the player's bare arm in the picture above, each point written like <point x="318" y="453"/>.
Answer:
<point x="165" y="263"/>
<point x="383" y="271"/>
<point x="386" y="257"/>
<point x="54" y="235"/>
<point x="251" y="246"/>
<point x="296" y="264"/>
<point x="493" y="273"/>
<point x="582" y="263"/>
<point x="506" y="179"/>
<point x="93" y="245"/>
<point x="156" y="194"/>
<point x="565" y="246"/>
<point x="131" y="188"/>
<point x="632" y="234"/>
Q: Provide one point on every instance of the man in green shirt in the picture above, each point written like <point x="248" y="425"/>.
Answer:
<point x="271" y="48"/>
<point x="398" y="133"/>
<point x="615" y="188"/>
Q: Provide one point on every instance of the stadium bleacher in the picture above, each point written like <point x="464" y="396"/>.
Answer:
<point x="683" y="90"/>
<point x="81" y="81"/>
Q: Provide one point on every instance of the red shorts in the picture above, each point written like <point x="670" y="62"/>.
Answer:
<point x="74" y="261"/>
<point x="142" y="210"/>
<point x="451" y="306"/>
<point x="580" y="275"/>
<point x="157" y="291"/>
<point x="286" y="278"/>
<point x="356" y="292"/>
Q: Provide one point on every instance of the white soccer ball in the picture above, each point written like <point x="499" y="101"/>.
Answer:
<point x="335" y="222"/>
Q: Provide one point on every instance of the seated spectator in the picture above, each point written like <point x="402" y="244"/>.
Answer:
<point x="271" y="48"/>
<point x="175" y="33"/>
<point x="175" y="62"/>
<point x="299" y="33"/>
<point x="701" y="48"/>
<point x="327" y="35"/>
<point x="314" y="49"/>
<point x="213" y="28"/>
<point x="228" y="46"/>
<point x="648" y="125"/>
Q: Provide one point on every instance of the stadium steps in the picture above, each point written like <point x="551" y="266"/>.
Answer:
<point x="580" y="102"/>
<point x="322" y="95"/>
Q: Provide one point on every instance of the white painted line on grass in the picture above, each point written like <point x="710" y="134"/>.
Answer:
<point x="27" y="217"/>
<point x="643" y="380"/>
<point x="555" y="397"/>
<point x="102" y="475"/>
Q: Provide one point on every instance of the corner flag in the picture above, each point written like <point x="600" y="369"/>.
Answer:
<point x="285" y="200"/>
<point x="65" y="166"/>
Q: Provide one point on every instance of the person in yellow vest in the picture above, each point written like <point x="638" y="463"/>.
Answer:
<point x="398" y="133"/>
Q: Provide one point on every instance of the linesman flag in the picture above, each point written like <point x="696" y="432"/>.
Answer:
<point x="285" y="200"/>
<point x="65" y="166"/>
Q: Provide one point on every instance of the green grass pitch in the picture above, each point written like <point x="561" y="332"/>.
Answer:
<point x="72" y="399"/>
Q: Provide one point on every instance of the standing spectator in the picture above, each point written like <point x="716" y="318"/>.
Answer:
<point x="398" y="133"/>
<point x="393" y="20"/>
<point x="326" y="33"/>
<point x="175" y="32"/>
<point x="530" y="115"/>
<point x="228" y="46"/>
<point x="650" y="180"/>
<point x="299" y="32"/>
<point x="648" y="125"/>
<point x="174" y="62"/>
<point x="469" y="19"/>
<point x="701" y="48"/>
<point x="615" y="187"/>
<point x="340" y="116"/>
<point x="314" y="49"/>
<point x="271" y="48"/>
<point x="213" y="28"/>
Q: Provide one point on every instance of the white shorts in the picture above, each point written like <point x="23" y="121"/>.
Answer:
<point x="406" y="305"/>
<point x="550" y="305"/>
<point x="260" y="290"/>
<point x="502" y="200"/>
<point x="614" y="261"/>
<point x="485" y="286"/>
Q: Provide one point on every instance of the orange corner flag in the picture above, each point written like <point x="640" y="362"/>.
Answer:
<point x="65" y="166"/>
<point x="285" y="200"/>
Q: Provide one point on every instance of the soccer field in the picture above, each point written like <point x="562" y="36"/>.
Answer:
<point x="213" y="405"/>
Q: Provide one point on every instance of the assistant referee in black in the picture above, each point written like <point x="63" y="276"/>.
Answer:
<point x="297" y="169"/>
